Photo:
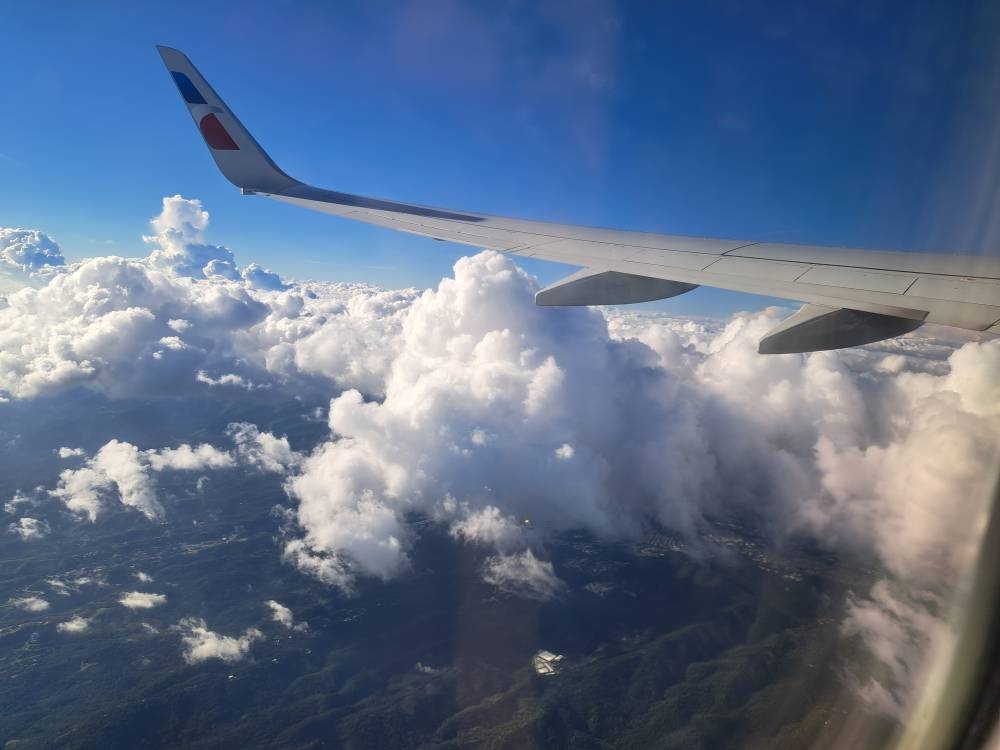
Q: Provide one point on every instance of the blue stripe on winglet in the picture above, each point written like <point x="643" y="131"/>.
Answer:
<point x="188" y="91"/>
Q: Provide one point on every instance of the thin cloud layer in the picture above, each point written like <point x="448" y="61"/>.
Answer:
<point x="28" y="528"/>
<point x="30" y="603"/>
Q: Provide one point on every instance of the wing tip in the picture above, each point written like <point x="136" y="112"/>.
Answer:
<point x="171" y="55"/>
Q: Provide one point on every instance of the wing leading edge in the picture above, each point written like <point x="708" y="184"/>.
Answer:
<point x="851" y="297"/>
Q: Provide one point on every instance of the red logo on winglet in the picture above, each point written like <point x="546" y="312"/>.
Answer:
<point x="215" y="134"/>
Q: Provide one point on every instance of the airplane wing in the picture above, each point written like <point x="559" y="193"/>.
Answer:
<point x="851" y="297"/>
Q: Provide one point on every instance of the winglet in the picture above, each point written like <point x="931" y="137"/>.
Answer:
<point x="239" y="157"/>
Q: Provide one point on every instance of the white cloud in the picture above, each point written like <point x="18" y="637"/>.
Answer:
<point x="71" y="452"/>
<point x="27" y="256"/>
<point x="178" y="239"/>
<point x="229" y="379"/>
<point x="188" y="458"/>
<point x="117" y="465"/>
<point x="30" y="603"/>
<point x="143" y="577"/>
<point x="142" y="600"/>
<point x="564" y="451"/>
<point x="523" y="575"/>
<point x="899" y="632"/>
<point x="262" y="450"/>
<point x="283" y="615"/>
<point x="184" y="319"/>
<point x="470" y="406"/>
<point x="74" y="625"/>
<point x="72" y="582"/>
<point x="29" y="528"/>
<point x="111" y="323"/>
<point x="20" y="498"/>
<point x="480" y="425"/>
<point x="488" y="526"/>
<point x="201" y="644"/>
<point x="262" y="278"/>
<point x="126" y="469"/>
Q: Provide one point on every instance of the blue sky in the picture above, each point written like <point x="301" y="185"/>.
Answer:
<point x="857" y="124"/>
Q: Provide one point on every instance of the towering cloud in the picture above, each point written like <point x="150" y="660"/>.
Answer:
<point x="179" y="242"/>
<point x="27" y="256"/>
<point x="495" y="411"/>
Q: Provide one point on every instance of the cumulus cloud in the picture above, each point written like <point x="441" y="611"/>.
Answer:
<point x="262" y="450"/>
<point x="487" y="525"/>
<point x="479" y="389"/>
<point x="467" y="405"/>
<point x="29" y="528"/>
<point x="184" y="318"/>
<point x="142" y="600"/>
<point x="124" y="468"/>
<point x="201" y="644"/>
<point x="283" y="615"/>
<point x="143" y="577"/>
<point x="30" y="603"/>
<point x="179" y="241"/>
<point x="74" y="625"/>
<point x="522" y="575"/>
<point x="189" y="458"/>
<point x="27" y="256"/>
<point x="117" y="465"/>
<point x="479" y="425"/>
<point x="111" y="323"/>
<point x="262" y="278"/>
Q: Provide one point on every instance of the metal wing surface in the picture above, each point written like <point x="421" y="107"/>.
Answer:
<point x="852" y="296"/>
